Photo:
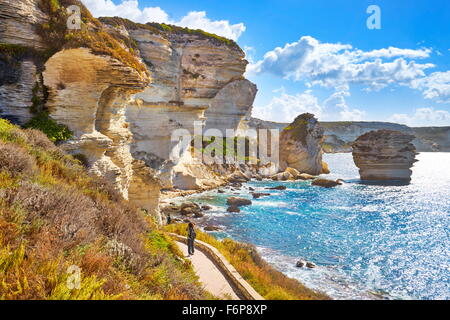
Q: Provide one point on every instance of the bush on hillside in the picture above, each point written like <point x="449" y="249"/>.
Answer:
<point x="54" y="131"/>
<point x="57" y="216"/>
<point x="15" y="159"/>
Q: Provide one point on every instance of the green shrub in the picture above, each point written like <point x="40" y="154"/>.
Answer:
<point x="54" y="131"/>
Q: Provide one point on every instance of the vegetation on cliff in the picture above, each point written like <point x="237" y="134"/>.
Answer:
<point x="168" y="29"/>
<point x="55" y="218"/>
<point x="267" y="281"/>
<point x="299" y="128"/>
<point x="54" y="131"/>
<point x="92" y="35"/>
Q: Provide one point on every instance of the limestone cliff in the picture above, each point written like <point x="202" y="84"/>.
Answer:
<point x="18" y="66"/>
<point x="384" y="155"/>
<point x="301" y="145"/>
<point x="122" y="88"/>
<point x="195" y="77"/>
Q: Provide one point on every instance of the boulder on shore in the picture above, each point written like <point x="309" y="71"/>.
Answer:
<point x="282" y="176"/>
<point x="190" y="209"/>
<point x="384" y="155"/>
<point x="305" y="176"/>
<point x="300" y="263"/>
<point x="325" y="183"/>
<point x="293" y="172"/>
<point x="277" y="188"/>
<point x="211" y="228"/>
<point x="257" y="195"/>
<point x="233" y="209"/>
<point x="238" y="202"/>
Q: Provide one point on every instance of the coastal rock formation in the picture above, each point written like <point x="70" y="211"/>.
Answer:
<point x="301" y="145"/>
<point x="123" y="100"/>
<point x="88" y="93"/>
<point x="339" y="136"/>
<point x="238" y="202"/>
<point x="325" y="183"/>
<point x="18" y="20"/>
<point x="196" y="78"/>
<point x="384" y="155"/>
<point x="18" y="68"/>
<point x="16" y="90"/>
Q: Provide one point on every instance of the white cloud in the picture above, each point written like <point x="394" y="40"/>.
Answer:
<point x="286" y="107"/>
<point x="435" y="86"/>
<point x="335" y="64"/>
<point x="249" y="53"/>
<point x="423" y="117"/>
<point x="196" y="19"/>
<point x="127" y="9"/>
<point x="336" y="107"/>
<point x="392" y="52"/>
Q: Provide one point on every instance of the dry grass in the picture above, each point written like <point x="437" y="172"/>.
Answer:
<point x="15" y="159"/>
<point x="270" y="283"/>
<point x="54" y="215"/>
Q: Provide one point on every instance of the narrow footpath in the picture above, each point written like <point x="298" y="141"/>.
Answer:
<point x="210" y="276"/>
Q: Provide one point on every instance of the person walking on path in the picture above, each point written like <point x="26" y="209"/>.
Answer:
<point x="191" y="238"/>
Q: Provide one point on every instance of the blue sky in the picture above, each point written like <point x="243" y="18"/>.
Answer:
<point x="319" y="56"/>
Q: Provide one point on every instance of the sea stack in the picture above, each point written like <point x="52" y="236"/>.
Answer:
<point x="384" y="155"/>
<point x="301" y="145"/>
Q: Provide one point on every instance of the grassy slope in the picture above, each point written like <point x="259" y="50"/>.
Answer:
<point x="270" y="283"/>
<point x="54" y="215"/>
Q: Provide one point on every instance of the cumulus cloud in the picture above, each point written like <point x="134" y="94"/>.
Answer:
<point x="127" y="9"/>
<point x="285" y="107"/>
<point x="335" y="64"/>
<point x="336" y="107"/>
<point x="393" y="52"/>
<point x="423" y="117"/>
<point x="436" y="86"/>
<point x="196" y="19"/>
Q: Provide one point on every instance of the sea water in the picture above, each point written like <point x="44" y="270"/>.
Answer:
<point x="368" y="241"/>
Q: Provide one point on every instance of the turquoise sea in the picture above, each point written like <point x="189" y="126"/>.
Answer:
<point x="368" y="241"/>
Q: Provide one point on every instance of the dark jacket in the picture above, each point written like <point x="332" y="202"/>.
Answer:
<point x="191" y="233"/>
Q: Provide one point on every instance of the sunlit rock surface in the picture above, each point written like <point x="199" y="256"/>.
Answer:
<point x="384" y="155"/>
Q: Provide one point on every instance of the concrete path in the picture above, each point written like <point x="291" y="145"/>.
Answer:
<point x="210" y="276"/>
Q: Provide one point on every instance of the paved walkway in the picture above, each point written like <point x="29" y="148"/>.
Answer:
<point x="210" y="276"/>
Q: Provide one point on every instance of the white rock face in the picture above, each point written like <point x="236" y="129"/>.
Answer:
<point x="301" y="146"/>
<point x="231" y="106"/>
<point x="193" y="80"/>
<point x="89" y="94"/>
<point x="123" y="122"/>
<point x="15" y="98"/>
<point x="384" y="155"/>
<point x="18" y="20"/>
